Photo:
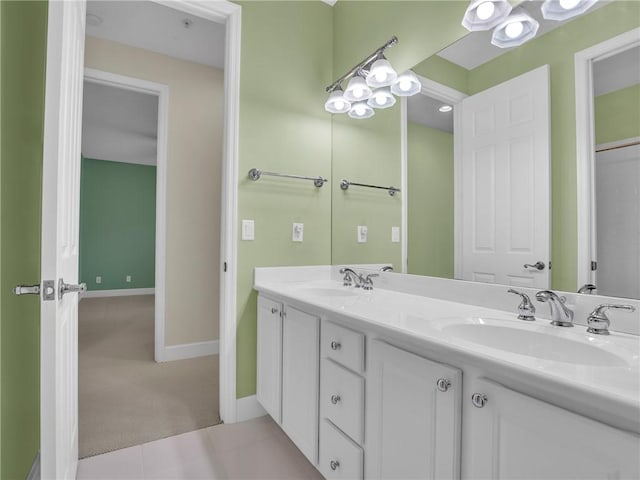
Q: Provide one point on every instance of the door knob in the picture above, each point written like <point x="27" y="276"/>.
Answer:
<point x="70" y="288"/>
<point x="538" y="265"/>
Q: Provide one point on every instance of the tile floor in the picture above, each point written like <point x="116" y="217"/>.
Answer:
<point x="252" y="450"/>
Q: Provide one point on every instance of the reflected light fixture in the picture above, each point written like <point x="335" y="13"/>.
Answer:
<point x="372" y="84"/>
<point x="361" y="110"/>
<point x="563" y="9"/>
<point x="337" y="103"/>
<point x="485" y="14"/>
<point x="515" y="30"/>
<point x="445" y="108"/>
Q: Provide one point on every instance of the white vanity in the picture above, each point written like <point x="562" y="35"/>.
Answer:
<point x="402" y="382"/>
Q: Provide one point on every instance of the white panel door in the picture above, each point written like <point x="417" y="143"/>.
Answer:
<point x="618" y="222"/>
<point x="301" y="380"/>
<point x="412" y="428"/>
<point x="505" y="182"/>
<point x="518" y="437"/>
<point x="60" y="233"/>
<point x="269" y="354"/>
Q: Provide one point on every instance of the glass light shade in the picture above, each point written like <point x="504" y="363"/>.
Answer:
<point x="381" y="74"/>
<point x="382" y="98"/>
<point x="563" y="9"/>
<point x="406" y="84"/>
<point x="357" y="90"/>
<point x="336" y="103"/>
<point x="485" y="14"/>
<point x="514" y="31"/>
<point x="361" y="110"/>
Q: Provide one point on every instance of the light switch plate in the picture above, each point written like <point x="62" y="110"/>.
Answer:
<point x="395" y="234"/>
<point x="98" y="280"/>
<point x="128" y="279"/>
<point x="297" y="232"/>
<point x="248" y="230"/>
<point x="362" y="234"/>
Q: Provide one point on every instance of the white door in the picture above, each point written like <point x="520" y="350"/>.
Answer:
<point x="618" y="222"/>
<point x="413" y="425"/>
<point x="515" y="436"/>
<point x="505" y="182"/>
<point x="60" y="218"/>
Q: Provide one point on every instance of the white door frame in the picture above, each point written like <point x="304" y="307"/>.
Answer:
<point x="162" y="93"/>
<point x="586" y="147"/>
<point x="220" y="11"/>
<point x="452" y="97"/>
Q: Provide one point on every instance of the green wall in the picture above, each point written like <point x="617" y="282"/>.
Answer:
<point x="285" y="65"/>
<point x="117" y="224"/>
<point x="430" y="198"/>
<point x="617" y="115"/>
<point x="23" y="30"/>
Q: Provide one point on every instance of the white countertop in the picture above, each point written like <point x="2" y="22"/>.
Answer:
<point x="610" y="393"/>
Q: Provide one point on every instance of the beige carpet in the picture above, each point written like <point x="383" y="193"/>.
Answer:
<point x="124" y="397"/>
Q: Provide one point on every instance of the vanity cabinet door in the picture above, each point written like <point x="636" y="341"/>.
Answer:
<point x="301" y="380"/>
<point x="269" y="355"/>
<point x="412" y="427"/>
<point x="516" y="436"/>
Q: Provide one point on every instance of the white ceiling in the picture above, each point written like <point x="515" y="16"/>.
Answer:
<point x="119" y="125"/>
<point x="616" y="72"/>
<point x="424" y="110"/>
<point x="160" y="29"/>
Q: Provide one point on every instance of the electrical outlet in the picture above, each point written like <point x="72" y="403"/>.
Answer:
<point x="128" y="279"/>
<point x="248" y="230"/>
<point x="98" y="280"/>
<point x="395" y="234"/>
<point x="297" y="233"/>
<point x="362" y="234"/>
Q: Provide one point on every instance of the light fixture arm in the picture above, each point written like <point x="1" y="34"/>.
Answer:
<point x="369" y="59"/>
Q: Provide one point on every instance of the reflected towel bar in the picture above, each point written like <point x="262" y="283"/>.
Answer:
<point x="255" y="174"/>
<point x="345" y="184"/>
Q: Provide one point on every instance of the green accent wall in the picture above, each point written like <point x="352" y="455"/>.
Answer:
<point x="23" y="44"/>
<point x="285" y="65"/>
<point x="617" y="115"/>
<point x="557" y="48"/>
<point x="430" y="197"/>
<point x="117" y="224"/>
<point x="443" y="71"/>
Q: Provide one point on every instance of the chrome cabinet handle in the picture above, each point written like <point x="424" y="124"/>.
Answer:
<point x="443" y="384"/>
<point x="335" y="345"/>
<point x="335" y="399"/>
<point x="479" y="400"/>
<point x="274" y="310"/>
<point x="334" y="464"/>
<point x="70" y="288"/>
<point x="538" y="265"/>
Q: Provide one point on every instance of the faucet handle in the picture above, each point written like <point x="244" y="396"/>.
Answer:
<point x="367" y="283"/>
<point x="526" y="309"/>
<point x="598" y="322"/>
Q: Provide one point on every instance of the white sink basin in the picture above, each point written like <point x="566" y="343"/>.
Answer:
<point x="546" y="345"/>
<point x="330" y="291"/>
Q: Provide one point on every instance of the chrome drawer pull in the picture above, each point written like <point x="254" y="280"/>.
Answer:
<point x="274" y="310"/>
<point x="335" y="399"/>
<point x="443" y="384"/>
<point x="334" y="464"/>
<point x="479" y="400"/>
<point x="335" y="345"/>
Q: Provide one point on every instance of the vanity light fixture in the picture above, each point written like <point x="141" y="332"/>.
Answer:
<point x="485" y="14"/>
<point x="515" y="30"/>
<point x="563" y="9"/>
<point x="372" y="83"/>
<point x="337" y="103"/>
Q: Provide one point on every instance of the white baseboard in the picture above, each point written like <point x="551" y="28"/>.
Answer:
<point x="34" y="473"/>
<point x="124" y="292"/>
<point x="188" y="350"/>
<point x="248" y="408"/>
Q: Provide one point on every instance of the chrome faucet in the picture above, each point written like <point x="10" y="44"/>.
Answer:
<point x="367" y="283"/>
<point x="351" y="277"/>
<point x="561" y="316"/>
<point x="526" y="309"/>
<point x="598" y="322"/>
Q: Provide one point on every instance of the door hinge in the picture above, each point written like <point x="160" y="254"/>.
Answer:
<point x="549" y="264"/>
<point x="594" y="265"/>
<point x="225" y="266"/>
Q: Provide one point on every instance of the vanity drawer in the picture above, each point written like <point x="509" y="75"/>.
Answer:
<point x="342" y="399"/>
<point x="339" y="456"/>
<point x="343" y="345"/>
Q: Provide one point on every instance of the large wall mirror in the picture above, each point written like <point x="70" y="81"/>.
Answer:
<point x="491" y="159"/>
